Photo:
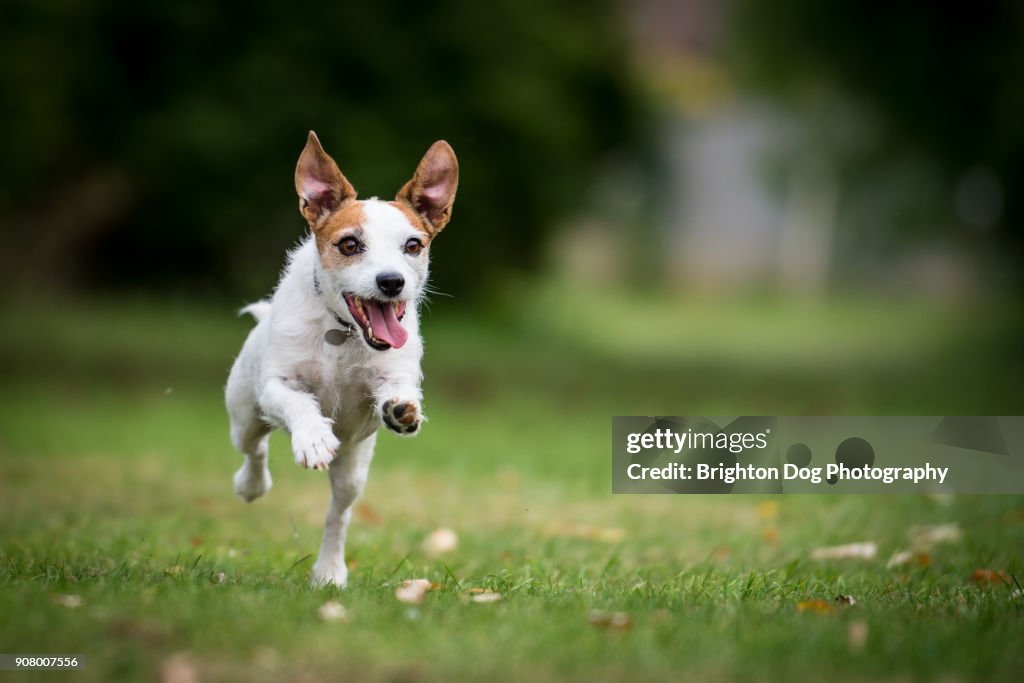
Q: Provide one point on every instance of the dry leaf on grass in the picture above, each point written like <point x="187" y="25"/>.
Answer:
<point x="610" y="621"/>
<point x="440" y="541"/>
<point x="986" y="577"/>
<point x="929" y="535"/>
<point x="905" y="557"/>
<point x="69" y="601"/>
<point x="412" y="591"/>
<point x="332" y="610"/>
<point x="179" y="668"/>
<point x="588" y="532"/>
<point x="769" y="509"/>
<point x="366" y="514"/>
<point x="485" y="597"/>
<point x="846" y="600"/>
<point x="860" y="551"/>
<point x="815" y="606"/>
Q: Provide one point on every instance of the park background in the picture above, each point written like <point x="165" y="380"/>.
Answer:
<point x="665" y="208"/>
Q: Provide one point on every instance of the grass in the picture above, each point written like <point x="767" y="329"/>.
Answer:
<point x="115" y="476"/>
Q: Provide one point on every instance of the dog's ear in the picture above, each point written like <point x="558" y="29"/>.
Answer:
<point x="321" y="186"/>
<point x="431" y="191"/>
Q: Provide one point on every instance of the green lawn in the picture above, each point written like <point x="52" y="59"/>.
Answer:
<point x="115" y="481"/>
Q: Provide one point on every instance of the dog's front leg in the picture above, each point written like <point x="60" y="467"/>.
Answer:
<point x="348" y="477"/>
<point x="313" y="441"/>
<point x="398" y="397"/>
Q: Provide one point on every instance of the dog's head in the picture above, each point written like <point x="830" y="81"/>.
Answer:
<point x="373" y="253"/>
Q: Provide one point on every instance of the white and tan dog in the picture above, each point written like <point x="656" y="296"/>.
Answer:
<point x="336" y="351"/>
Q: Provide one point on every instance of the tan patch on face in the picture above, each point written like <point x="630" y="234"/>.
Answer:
<point x="416" y="220"/>
<point x="349" y="216"/>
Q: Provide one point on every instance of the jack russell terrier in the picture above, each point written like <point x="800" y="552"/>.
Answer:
<point x="336" y="351"/>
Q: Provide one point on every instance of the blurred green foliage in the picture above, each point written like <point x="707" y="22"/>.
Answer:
<point x="904" y="100"/>
<point x="153" y="144"/>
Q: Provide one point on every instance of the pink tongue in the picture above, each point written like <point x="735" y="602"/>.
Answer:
<point x="385" y="323"/>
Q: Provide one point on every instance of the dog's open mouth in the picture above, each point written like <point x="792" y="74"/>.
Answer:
<point x="380" y="320"/>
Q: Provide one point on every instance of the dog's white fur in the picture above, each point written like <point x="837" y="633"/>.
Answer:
<point x="331" y="398"/>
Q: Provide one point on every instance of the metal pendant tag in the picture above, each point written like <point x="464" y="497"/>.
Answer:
<point x="335" y="337"/>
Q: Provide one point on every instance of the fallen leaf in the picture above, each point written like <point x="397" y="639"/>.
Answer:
<point x="365" y="513"/>
<point x="440" y="541"/>
<point x="857" y="635"/>
<point x="929" y="535"/>
<point x="179" y="668"/>
<point x="412" y="591"/>
<point x="815" y="606"/>
<point x="485" y="597"/>
<point x="332" y="610"/>
<point x="985" y="577"/>
<point x="846" y="600"/>
<point x="592" y="533"/>
<point x="610" y="621"/>
<point x="69" y="601"/>
<point x="219" y="577"/>
<point x="905" y="557"/>
<point x="863" y="551"/>
<point x="769" y="509"/>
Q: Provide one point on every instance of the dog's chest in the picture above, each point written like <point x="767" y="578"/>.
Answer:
<point x="342" y="383"/>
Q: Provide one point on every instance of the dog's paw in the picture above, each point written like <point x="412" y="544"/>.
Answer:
<point x="402" y="417"/>
<point x="251" y="483"/>
<point x="315" y="446"/>
<point x="329" y="575"/>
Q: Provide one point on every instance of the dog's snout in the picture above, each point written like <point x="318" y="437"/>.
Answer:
<point x="390" y="283"/>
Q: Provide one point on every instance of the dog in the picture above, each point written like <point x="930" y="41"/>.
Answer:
<point x="336" y="351"/>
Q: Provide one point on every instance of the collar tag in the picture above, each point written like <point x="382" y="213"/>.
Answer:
<point x="336" y="337"/>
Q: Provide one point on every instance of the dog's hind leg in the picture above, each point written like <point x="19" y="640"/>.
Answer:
<point x="249" y="435"/>
<point x="251" y="438"/>
<point x="348" y="477"/>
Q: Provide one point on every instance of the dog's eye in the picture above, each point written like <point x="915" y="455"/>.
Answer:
<point x="349" y="246"/>
<point x="413" y="246"/>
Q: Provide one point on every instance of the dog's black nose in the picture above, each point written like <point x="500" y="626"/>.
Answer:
<point x="390" y="283"/>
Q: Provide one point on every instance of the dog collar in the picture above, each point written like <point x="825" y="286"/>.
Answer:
<point x="333" y="336"/>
